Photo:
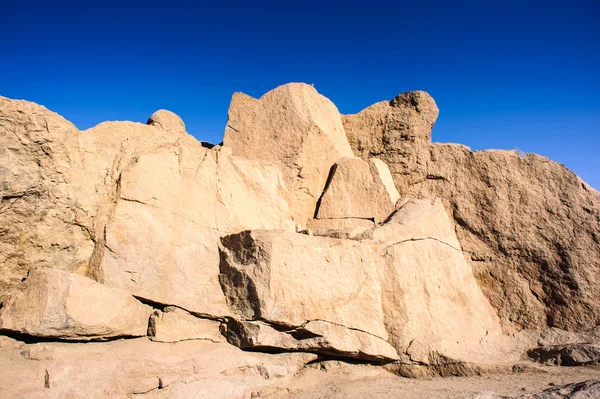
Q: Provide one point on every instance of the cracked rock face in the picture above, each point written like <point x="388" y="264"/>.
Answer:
<point x="55" y="303"/>
<point x="530" y="225"/>
<point x="406" y="282"/>
<point x="288" y="279"/>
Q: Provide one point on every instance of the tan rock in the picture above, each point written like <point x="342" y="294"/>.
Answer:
<point x="161" y="243"/>
<point x="355" y="190"/>
<point x="431" y="298"/>
<point x="166" y="120"/>
<point x="57" y="304"/>
<point x="298" y="130"/>
<point x="128" y="368"/>
<point x="174" y="324"/>
<point x="38" y="153"/>
<point x="130" y="205"/>
<point x="515" y="215"/>
<point x="288" y="279"/>
<point x="348" y="228"/>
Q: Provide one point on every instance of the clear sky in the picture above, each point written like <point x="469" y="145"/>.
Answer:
<point x="505" y="74"/>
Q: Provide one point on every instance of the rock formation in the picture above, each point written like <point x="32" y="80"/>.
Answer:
<point x="306" y="235"/>
<point x="529" y="225"/>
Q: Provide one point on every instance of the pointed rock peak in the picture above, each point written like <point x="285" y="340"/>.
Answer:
<point x="167" y="120"/>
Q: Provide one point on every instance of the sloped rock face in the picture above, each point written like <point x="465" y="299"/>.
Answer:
<point x="296" y="128"/>
<point x="530" y="225"/>
<point x="57" y="304"/>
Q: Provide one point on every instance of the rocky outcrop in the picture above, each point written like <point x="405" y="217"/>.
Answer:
<point x="405" y="282"/>
<point x="136" y="207"/>
<point x="530" y="225"/>
<point x="427" y="258"/>
<point x="297" y="129"/>
<point x="56" y="304"/>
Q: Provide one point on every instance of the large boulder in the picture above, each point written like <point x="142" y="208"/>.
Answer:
<point x="295" y="128"/>
<point x="288" y="279"/>
<point x="295" y="283"/>
<point x="167" y="120"/>
<point x="531" y="226"/>
<point x="53" y="303"/>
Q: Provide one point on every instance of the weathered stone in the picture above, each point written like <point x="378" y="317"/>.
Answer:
<point x="355" y="190"/>
<point x="167" y="120"/>
<point x="295" y="128"/>
<point x="288" y="279"/>
<point x="314" y="336"/>
<point x="530" y="225"/>
<point x="57" y="304"/>
<point x="431" y="299"/>
<point x="174" y="324"/>
<point x="566" y="355"/>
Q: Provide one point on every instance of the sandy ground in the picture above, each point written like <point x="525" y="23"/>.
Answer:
<point x="354" y="382"/>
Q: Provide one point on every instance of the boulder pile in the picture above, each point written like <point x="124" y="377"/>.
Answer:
<point x="306" y="235"/>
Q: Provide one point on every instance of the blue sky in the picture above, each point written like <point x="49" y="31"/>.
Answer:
<point x="513" y="75"/>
